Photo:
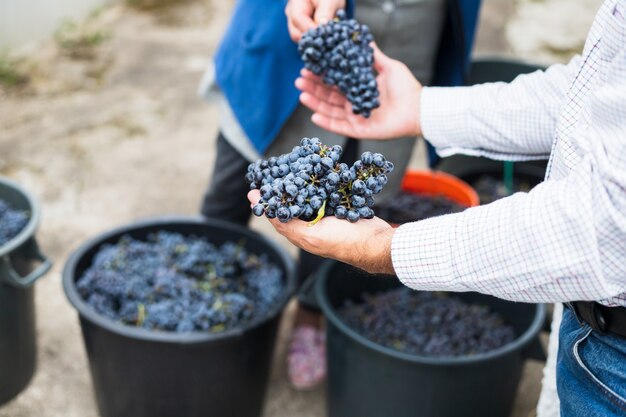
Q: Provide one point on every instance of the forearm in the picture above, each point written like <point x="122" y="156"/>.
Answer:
<point x="514" y="121"/>
<point x="550" y="245"/>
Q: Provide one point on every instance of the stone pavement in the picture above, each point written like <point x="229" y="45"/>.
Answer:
<point x="109" y="130"/>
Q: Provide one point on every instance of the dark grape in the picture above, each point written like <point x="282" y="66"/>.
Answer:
<point x="177" y="283"/>
<point x="339" y="52"/>
<point x="316" y="180"/>
<point x="427" y="323"/>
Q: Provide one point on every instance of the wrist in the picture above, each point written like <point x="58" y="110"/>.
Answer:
<point x="375" y="254"/>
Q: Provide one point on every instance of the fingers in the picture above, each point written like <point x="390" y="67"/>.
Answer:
<point x="308" y="74"/>
<point x="299" y="18"/>
<point x="294" y="33"/>
<point x="325" y="11"/>
<point x="381" y="61"/>
<point x="316" y="88"/>
<point x="254" y="196"/>
<point x="323" y="108"/>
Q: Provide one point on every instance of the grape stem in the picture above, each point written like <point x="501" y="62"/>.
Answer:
<point x="320" y="214"/>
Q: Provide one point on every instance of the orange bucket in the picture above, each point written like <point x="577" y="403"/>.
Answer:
<point x="439" y="183"/>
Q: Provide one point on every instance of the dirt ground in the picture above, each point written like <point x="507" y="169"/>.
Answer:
<point x="108" y="129"/>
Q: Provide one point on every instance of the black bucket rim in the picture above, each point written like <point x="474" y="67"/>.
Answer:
<point x="33" y="222"/>
<point x="330" y="313"/>
<point x="181" y="338"/>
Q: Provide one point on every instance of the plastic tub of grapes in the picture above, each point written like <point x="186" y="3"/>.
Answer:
<point x="21" y="265"/>
<point x="397" y="352"/>
<point x="179" y="316"/>
<point x="426" y="194"/>
<point x="394" y="351"/>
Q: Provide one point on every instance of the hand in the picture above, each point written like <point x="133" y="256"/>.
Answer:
<point x="397" y="116"/>
<point x="303" y="15"/>
<point x="365" y="244"/>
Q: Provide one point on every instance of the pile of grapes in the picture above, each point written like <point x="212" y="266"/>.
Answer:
<point x="310" y="183"/>
<point x="427" y="323"/>
<point x="490" y="189"/>
<point x="339" y="52"/>
<point x="180" y="283"/>
<point x="407" y="207"/>
<point x="12" y="222"/>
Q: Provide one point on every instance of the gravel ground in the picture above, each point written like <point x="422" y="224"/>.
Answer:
<point x="108" y="129"/>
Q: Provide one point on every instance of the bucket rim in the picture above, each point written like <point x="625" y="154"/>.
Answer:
<point x="519" y="343"/>
<point x="86" y="312"/>
<point x="454" y="187"/>
<point x="33" y="222"/>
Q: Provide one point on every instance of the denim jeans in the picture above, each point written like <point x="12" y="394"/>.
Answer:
<point x="591" y="371"/>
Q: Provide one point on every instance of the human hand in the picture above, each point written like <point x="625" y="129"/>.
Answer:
<point x="397" y="116"/>
<point x="303" y="15"/>
<point x="365" y="244"/>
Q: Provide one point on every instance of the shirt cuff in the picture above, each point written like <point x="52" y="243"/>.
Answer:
<point x="422" y="254"/>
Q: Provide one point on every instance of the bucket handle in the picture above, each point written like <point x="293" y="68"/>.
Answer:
<point x="14" y="278"/>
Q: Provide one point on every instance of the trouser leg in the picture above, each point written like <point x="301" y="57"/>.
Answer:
<point x="226" y="195"/>
<point x="591" y="371"/>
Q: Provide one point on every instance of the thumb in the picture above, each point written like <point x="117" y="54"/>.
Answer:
<point x="381" y="61"/>
<point x="254" y="196"/>
<point x="324" y="12"/>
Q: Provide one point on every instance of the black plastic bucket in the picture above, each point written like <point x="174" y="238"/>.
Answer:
<point x="366" y="379"/>
<point x="470" y="169"/>
<point x="142" y="373"/>
<point x="18" y="273"/>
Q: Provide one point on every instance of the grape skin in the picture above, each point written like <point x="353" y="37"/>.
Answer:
<point x="339" y="52"/>
<point x="316" y="180"/>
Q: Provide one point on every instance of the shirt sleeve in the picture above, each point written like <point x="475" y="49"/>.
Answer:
<point x="507" y="121"/>
<point x="563" y="241"/>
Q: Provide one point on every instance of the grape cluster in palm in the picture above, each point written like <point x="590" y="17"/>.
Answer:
<point x="12" y="222"/>
<point x="339" y="52"/>
<point x="310" y="182"/>
<point x="172" y="282"/>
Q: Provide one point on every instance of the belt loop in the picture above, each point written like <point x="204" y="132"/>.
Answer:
<point x="589" y="312"/>
<point x="599" y="322"/>
<point x="574" y="309"/>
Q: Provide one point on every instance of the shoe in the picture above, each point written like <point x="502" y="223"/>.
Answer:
<point x="306" y="357"/>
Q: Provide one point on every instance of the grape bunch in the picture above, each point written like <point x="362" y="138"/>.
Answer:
<point x="427" y="323"/>
<point x="407" y="207"/>
<point x="339" y="52"/>
<point x="172" y="282"/>
<point x="310" y="182"/>
<point x="12" y="222"/>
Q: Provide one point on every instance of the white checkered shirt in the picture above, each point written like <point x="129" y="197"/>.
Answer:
<point x="566" y="239"/>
